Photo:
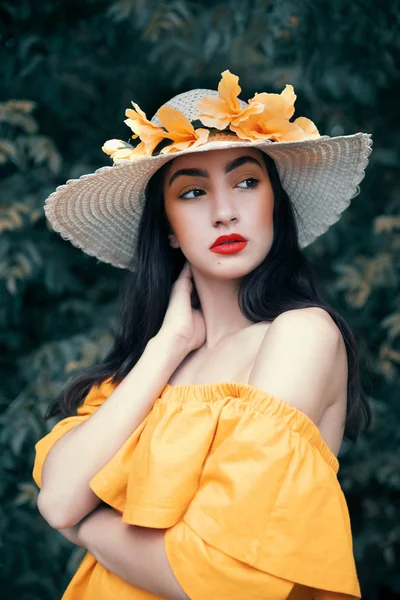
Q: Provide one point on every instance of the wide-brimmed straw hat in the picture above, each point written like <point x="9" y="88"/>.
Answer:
<point x="100" y="212"/>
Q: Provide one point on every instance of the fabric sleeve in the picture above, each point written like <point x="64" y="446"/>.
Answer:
<point x="152" y="478"/>
<point x="269" y="497"/>
<point x="204" y="571"/>
<point x="96" y="396"/>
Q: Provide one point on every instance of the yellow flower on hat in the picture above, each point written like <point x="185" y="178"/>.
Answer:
<point x="277" y="106"/>
<point x="180" y="130"/>
<point x="273" y="122"/>
<point x="176" y="128"/>
<point x="150" y="134"/>
<point x="266" y="116"/>
<point x="119" y="150"/>
<point x="277" y="130"/>
<point x="308" y="127"/>
<point x="221" y="112"/>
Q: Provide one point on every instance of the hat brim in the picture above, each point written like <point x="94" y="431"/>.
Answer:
<point x="100" y="212"/>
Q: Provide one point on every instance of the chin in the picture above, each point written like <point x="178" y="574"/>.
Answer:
<point x="229" y="267"/>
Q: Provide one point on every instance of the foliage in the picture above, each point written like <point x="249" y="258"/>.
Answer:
<point x="69" y="70"/>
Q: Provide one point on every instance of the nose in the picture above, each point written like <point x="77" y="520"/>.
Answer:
<point x="223" y="208"/>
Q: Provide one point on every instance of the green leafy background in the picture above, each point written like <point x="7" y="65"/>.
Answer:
<point x="69" y="70"/>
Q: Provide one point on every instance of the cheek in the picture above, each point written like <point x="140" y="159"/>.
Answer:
<point x="185" y="223"/>
<point x="263" y="210"/>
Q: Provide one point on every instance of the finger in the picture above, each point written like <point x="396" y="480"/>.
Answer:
<point x="186" y="271"/>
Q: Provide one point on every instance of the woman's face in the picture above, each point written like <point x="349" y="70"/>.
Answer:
<point x="214" y="193"/>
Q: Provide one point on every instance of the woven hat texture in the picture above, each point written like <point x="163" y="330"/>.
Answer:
<point x="100" y="212"/>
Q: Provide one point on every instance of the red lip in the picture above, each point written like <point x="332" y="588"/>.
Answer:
<point x="232" y="237"/>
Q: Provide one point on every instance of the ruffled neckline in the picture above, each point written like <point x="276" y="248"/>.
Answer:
<point x="271" y="404"/>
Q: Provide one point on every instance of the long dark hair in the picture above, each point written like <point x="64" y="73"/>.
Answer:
<point x="283" y="281"/>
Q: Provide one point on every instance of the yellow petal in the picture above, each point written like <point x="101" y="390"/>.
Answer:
<point x="141" y="128"/>
<point x="168" y="149"/>
<point x="275" y="106"/>
<point x="217" y="123"/>
<point x="111" y="146"/>
<point x="254" y="109"/>
<point x="151" y="142"/>
<point x="137" y="110"/>
<point x="175" y="147"/>
<point x="138" y="122"/>
<point x="246" y="133"/>
<point x="202" y="136"/>
<point x="278" y="130"/>
<point x="213" y="107"/>
<point x="123" y="154"/>
<point x="132" y="124"/>
<point x="281" y="130"/>
<point x="249" y="126"/>
<point x="307" y="126"/>
<point x="174" y="121"/>
<point x="289" y="96"/>
<point x="139" y="150"/>
<point x="229" y="89"/>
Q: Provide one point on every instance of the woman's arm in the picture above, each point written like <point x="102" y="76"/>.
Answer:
<point x="72" y="533"/>
<point x="298" y="360"/>
<point x="135" y="554"/>
<point x="65" y="496"/>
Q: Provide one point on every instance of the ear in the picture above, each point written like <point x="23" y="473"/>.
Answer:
<point x="173" y="242"/>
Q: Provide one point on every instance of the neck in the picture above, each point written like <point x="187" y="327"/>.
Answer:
<point x="220" y="308"/>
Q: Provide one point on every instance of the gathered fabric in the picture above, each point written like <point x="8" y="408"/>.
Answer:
<point x="245" y="486"/>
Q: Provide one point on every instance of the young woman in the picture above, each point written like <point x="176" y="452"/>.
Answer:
<point x="203" y="460"/>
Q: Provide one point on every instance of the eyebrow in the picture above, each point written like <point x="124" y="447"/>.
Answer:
<point x="233" y="164"/>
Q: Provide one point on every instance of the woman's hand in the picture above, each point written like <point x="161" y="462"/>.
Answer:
<point x="181" y="321"/>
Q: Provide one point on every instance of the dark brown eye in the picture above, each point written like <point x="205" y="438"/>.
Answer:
<point x="251" y="182"/>
<point x="194" y="190"/>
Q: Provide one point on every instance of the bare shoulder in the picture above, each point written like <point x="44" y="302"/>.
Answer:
<point x="298" y="358"/>
<point x="310" y="327"/>
<point x="312" y="315"/>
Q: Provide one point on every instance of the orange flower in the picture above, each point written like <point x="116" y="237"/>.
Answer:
<point x="273" y="122"/>
<point x="177" y="129"/>
<point x="308" y="127"/>
<point x="221" y="112"/>
<point x="277" y="130"/>
<point x="119" y="150"/>
<point x="266" y="116"/>
<point x="151" y="135"/>
<point x="180" y="131"/>
<point x="276" y="106"/>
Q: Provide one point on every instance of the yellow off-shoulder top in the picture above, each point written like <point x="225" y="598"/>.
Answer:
<point x="244" y="485"/>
